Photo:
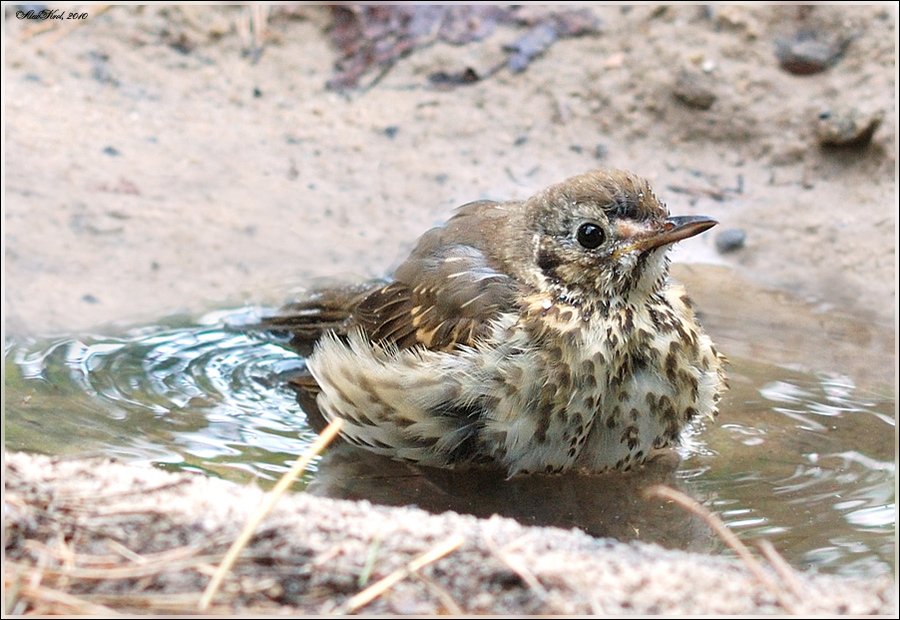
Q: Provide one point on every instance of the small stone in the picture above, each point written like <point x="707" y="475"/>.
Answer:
<point x="810" y="52"/>
<point x="458" y="78"/>
<point x="852" y="127"/>
<point x="730" y="240"/>
<point x="694" y="90"/>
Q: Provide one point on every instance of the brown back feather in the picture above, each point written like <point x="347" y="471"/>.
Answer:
<point x="445" y="294"/>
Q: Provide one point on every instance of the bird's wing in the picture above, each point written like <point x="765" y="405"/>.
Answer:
<point x="446" y="293"/>
<point x="447" y="296"/>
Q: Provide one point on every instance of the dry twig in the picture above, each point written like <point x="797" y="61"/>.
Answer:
<point x="162" y="560"/>
<point x="449" y="602"/>
<point x="380" y="587"/>
<point x="72" y="604"/>
<point x="784" y="570"/>
<point x="781" y="593"/>
<point x="268" y="503"/>
<point x="514" y="565"/>
<point x="119" y="572"/>
<point x="502" y="554"/>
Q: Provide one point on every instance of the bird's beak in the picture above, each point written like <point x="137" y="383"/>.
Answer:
<point x="674" y="229"/>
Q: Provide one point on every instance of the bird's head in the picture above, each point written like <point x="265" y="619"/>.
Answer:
<point x="602" y="237"/>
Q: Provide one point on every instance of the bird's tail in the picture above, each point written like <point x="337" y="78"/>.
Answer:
<point x="329" y="310"/>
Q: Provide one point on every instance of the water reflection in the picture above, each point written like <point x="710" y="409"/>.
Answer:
<point x="806" y="460"/>
<point x="608" y="505"/>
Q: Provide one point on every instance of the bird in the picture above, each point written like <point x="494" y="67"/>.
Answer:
<point x="535" y="336"/>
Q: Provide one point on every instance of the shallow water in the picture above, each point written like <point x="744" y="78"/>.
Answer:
<point x="805" y="460"/>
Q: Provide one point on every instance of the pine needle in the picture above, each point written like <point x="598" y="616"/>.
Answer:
<point x="728" y="537"/>
<point x="265" y="507"/>
<point x="380" y="587"/>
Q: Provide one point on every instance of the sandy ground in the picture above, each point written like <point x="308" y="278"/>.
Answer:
<point x="142" y="180"/>
<point x="151" y="166"/>
<point x="149" y="536"/>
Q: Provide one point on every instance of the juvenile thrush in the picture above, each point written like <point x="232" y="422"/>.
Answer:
<point x="540" y="335"/>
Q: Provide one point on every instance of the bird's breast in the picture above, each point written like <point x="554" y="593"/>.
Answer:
<point x="598" y="390"/>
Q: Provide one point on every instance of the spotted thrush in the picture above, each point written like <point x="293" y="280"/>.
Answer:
<point x="539" y="336"/>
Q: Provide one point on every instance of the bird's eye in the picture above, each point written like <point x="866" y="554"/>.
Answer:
<point x="590" y="235"/>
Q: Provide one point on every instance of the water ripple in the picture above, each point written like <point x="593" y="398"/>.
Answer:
<point x="178" y="393"/>
<point x="804" y="459"/>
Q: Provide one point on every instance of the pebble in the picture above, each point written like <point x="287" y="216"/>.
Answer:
<point x="807" y="53"/>
<point x="694" y="90"/>
<point x="730" y="240"/>
<point x="848" y="127"/>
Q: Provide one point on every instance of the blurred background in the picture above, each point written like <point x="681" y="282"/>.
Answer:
<point x="163" y="159"/>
